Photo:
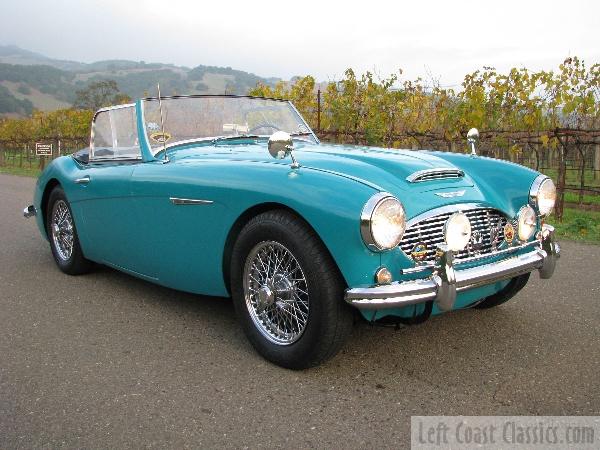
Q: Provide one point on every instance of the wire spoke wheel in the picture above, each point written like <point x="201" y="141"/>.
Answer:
<point x="276" y="292"/>
<point x="62" y="230"/>
<point x="287" y="291"/>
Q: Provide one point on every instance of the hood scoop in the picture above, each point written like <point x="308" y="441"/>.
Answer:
<point x="434" y="174"/>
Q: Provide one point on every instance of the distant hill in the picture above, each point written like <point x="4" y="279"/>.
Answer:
<point x="11" y="54"/>
<point x="29" y="80"/>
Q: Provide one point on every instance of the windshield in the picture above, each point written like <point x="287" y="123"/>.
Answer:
<point x="189" y="119"/>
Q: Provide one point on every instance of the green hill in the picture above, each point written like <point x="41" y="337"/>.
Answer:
<point x="29" y="80"/>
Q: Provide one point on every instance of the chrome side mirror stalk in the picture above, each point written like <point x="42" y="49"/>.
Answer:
<point x="472" y="138"/>
<point x="295" y="164"/>
<point x="281" y="145"/>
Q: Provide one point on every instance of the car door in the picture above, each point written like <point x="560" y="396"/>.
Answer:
<point x="105" y="202"/>
<point x="181" y="214"/>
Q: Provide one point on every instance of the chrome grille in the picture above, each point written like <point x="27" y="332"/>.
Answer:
<point x="430" y="231"/>
<point x="434" y="174"/>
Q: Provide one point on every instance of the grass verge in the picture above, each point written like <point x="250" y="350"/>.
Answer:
<point x="578" y="225"/>
<point x="572" y="177"/>
<point x="572" y="197"/>
<point x="21" y="171"/>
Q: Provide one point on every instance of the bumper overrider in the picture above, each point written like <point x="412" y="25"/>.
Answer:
<point x="446" y="280"/>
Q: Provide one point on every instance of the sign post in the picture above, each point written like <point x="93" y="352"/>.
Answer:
<point x="42" y="149"/>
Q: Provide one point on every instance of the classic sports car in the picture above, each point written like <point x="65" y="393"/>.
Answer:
<point x="235" y="196"/>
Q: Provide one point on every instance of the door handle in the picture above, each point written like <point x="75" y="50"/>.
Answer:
<point x="83" y="180"/>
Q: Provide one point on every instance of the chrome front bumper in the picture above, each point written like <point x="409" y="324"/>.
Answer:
<point x="445" y="281"/>
<point x="29" y="211"/>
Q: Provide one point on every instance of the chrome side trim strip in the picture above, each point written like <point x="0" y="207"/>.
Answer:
<point x="189" y="201"/>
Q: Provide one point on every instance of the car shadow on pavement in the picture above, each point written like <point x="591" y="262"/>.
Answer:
<point x="461" y="343"/>
<point x="515" y="357"/>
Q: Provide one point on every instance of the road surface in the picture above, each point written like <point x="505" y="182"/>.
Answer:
<point x="109" y="361"/>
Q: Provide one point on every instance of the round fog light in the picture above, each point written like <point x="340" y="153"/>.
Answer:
<point x="383" y="276"/>
<point x="527" y="223"/>
<point x="457" y="231"/>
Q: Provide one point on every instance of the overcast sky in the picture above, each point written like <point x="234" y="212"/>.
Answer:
<point x="443" y="39"/>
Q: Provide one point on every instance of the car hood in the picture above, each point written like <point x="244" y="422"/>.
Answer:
<point x="382" y="169"/>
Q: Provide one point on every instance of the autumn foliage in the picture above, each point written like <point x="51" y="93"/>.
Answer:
<point x="544" y="115"/>
<point x="378" y="109"/>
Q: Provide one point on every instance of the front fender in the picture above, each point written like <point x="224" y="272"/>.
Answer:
<point x="330" y="203"/>
<point x="52" y="174"/>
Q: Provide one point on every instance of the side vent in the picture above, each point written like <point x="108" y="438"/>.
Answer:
<point x="434" y="174"/>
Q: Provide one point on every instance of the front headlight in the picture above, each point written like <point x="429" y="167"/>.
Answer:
<point x="527" y="223"/>
<point x="543" y="194"/>
<point x="457" y="231"/>
<point x="382" y="222"/>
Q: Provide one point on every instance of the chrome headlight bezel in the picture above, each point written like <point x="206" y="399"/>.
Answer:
<point x="366" y="222"/>
<point x="537" y="188"/>
<point x="522" y="223"/>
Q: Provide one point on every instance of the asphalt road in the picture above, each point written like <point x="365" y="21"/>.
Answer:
<point x="109" y="361"/>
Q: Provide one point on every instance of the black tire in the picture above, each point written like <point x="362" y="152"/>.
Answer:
<point x="329" y="319"/>
<point x="509" y="291"/>
<point x="73" y="262"/>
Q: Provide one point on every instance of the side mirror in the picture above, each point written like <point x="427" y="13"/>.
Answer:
<point x="472" y="138"/>
<point x="281" y="145"/>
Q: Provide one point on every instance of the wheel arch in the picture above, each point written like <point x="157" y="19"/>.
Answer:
<point x="50" y="185"/>
<point x="243" y="219"/>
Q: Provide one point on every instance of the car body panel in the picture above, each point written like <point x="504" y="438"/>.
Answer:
<point x="126" y="218"/>
<point x="159" y="230"/>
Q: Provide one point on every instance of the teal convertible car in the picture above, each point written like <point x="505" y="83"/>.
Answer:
<point x="235" y="196"/>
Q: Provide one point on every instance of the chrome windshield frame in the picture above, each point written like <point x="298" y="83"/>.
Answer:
<point x="93" y="125"/>
<point x="216" y="138"/>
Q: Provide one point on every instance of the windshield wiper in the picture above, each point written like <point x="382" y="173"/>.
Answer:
<point x="234" y="138"/>
<point x="299" y="136"/>
<point x="209" y="140"/>
<point x="216" y="139"/>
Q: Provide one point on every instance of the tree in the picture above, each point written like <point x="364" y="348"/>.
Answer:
<point x="302" y="92"/>
<point x="99" y="94"/>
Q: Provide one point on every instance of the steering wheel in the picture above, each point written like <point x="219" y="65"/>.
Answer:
<point x="263" y="125"/>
